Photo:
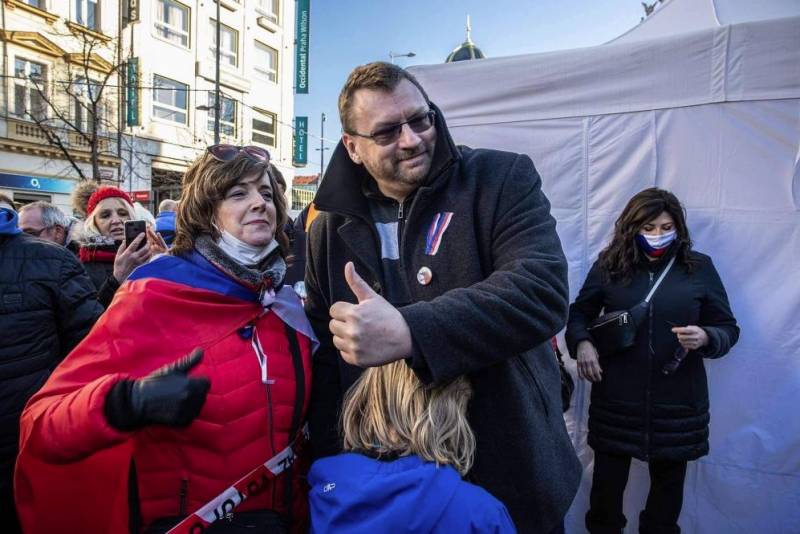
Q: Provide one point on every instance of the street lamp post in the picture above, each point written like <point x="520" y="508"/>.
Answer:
<point x="322" y="148"/>
<point x="392" y="55"/>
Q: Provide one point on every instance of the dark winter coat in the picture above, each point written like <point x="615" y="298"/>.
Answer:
<point x="497" y="295"/>
<point x="47" y="305"/>
<point x="637" y="410"/>
<point x="102" y="275"/>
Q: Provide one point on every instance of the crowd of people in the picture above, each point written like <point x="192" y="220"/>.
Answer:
<point x="382" y="364"/>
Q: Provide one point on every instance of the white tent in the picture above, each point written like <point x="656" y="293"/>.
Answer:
<point x="714" y="116"/>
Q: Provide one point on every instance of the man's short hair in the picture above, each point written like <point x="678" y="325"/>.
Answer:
<point x="380" y="76"/>
<point x="167" y="205"/>
<point x="51" y="215"/>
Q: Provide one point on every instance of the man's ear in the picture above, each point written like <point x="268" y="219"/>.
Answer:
<point x="350" y="144"/>
<point x="61" y="233"/>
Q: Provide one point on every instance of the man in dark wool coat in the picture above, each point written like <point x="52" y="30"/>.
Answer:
<point x="447" y="257"/>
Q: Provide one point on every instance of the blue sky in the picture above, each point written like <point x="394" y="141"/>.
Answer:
<point x="347" y="33"/>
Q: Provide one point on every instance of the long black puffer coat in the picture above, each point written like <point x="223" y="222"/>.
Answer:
<point x="636" y="409"/>
<point x="47" y="305"/>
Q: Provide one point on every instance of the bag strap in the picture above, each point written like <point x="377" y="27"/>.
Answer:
<point x="660" y="279"/>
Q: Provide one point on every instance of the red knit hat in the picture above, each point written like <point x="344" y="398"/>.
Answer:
<point x="103" y="192"/>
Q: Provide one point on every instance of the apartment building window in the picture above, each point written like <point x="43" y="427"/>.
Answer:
<point x="27" y="98"/>
<point x="170" y="100"/>
<point x="269" y="9"/>
<point x="172" y="22"/>
<point x="83" y="96"/>
<point x="267" y="61"/>
<point x="87" y="13"/>
<point x="227" y="117"/>
<point x="229" y="51"/>
<point x="35" y="3"/>
<point x="264" y="127"/>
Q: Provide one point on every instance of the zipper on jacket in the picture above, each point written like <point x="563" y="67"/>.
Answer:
<point x="649" y="372"/>
<point x="184" y="490"/>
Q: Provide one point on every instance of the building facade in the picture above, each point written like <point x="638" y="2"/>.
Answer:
<point x="174" y="44"/>
<point x="56" y="125"/>
<point x="161" y="97"/>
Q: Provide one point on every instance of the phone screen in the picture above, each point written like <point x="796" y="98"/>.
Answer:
<point x="133" y="229"/>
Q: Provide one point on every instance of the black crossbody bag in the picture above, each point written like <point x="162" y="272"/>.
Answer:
<point x="615" y="331"/>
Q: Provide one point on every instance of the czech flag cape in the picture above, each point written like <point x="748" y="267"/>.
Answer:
<point x="165" y="309"/>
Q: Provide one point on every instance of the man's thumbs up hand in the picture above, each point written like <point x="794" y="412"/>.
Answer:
<point x="358" y="286"/>
<point x="372" y="332"/>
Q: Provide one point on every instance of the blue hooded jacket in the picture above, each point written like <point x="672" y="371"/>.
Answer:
<point x="165" y="225"/>
<point x="354" y="493"/>
<point x="8" y="222"/>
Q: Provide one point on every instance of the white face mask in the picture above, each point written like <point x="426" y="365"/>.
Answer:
<point x="660" y="241"/>
<point x="241" y="251"/>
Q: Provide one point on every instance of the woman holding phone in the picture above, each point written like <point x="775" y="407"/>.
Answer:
<point x="107" y="257"/>
<point x="649" y="401"/>
<point x="190" y="393"/>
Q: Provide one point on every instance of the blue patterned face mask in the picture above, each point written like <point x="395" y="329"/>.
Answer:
<point x="655" y="245"/>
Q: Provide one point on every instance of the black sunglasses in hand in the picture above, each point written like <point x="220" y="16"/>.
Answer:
<point x="224" y="153"/>
<point x="386" y="135"/>
<point x="677" y="357"/>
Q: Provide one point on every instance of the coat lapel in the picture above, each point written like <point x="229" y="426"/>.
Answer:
<point x="360" y="239"/>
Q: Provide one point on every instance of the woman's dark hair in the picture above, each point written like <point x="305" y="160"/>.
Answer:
<point x="203" y="188"/>
<point x="620" y="257"/>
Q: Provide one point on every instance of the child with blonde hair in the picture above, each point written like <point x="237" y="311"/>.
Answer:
<point x="406" y="448"/>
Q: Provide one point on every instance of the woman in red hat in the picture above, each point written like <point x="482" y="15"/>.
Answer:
<point x="103" y="250"/>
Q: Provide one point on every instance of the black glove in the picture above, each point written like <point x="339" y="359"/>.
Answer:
<point x="167" y="396"/>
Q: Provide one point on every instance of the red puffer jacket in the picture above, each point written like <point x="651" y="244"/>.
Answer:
<point x="243" y="421"/>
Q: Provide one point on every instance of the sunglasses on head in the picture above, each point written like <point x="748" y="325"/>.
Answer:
<point x="389" y="134"/>
<point x="225" y="153"/>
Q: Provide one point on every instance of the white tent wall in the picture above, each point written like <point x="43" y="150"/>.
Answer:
<point x="713" y="116"/>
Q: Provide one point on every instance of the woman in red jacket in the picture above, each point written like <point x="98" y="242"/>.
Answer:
<point x="190" y="393"/>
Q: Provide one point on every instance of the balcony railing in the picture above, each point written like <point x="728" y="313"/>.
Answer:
<point x="27" y="131"/>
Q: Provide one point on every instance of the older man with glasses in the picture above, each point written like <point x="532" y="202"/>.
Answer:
<point x="445" y="257"/>
<point x="45" y="221"/>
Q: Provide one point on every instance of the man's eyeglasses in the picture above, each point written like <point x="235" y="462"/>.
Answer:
<point x="226" y="153"/>
<point x="389" y="134"/>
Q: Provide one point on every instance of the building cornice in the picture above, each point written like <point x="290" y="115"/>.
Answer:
<point x="50" y="18"/>
<point x="76" y="28"/>
<point x="92" y="61"/>
<point x="33" y="41"/>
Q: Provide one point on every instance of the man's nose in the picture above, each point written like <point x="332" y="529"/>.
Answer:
<point x="408" y="137"/>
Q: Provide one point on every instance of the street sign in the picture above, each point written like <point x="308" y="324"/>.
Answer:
<point x="131" y="11"/>
<point x="140" y="196"/>
<point x="36" y="183"/>
<point x="300" y="145"/>
<point x="301" y="46"/>
<point x="133" y="93"/>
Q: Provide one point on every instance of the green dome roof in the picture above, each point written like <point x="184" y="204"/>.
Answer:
<point x="467" y="50"/>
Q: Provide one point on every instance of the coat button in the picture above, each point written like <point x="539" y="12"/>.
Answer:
<point x="424" y="276"/>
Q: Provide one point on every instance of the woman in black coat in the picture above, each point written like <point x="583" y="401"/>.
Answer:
<point x="649" y="401"/>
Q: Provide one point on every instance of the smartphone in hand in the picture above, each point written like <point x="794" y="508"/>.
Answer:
<point x="133" y="229"/>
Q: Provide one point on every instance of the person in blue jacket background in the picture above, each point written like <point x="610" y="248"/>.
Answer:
<point x="165" y="220"/>
<point x="406" y="448"/>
